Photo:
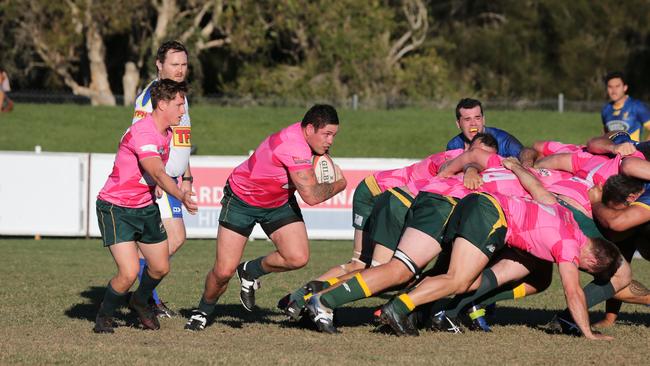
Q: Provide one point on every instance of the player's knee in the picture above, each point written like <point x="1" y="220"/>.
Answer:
<point x="297" y="260"/>
<point x="223" y="275"/>
<point x="126" y="278"/>
<point x="159" y="271"/>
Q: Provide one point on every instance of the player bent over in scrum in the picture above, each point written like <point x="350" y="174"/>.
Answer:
<point x="261" y="190"/>
<point x="128" y="218"/>
<point x="480" y="225"/>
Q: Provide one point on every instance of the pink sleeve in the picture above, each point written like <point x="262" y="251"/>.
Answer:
<point x="566" y="250"/>
<point x="144" y="144"/>
<point x="294" y="157"/>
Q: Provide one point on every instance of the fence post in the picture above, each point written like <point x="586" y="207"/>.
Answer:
<point x="355" y="102"/>
<point x="560" y="102"/>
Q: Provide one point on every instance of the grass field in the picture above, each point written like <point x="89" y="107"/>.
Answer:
<point x="403" y="133"/>
<point x="51" y="290"/>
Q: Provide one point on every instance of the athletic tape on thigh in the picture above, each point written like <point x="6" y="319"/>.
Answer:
<point x="408" y="262"/>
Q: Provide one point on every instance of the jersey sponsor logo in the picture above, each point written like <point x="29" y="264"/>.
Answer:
<point x="544" y="172"/>
<point x="182" y="136"/>
<point x="139" y="114"/>
<point x="298" y="160"/>
<point x="618" y="125"/>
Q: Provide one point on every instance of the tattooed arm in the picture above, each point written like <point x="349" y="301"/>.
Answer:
<point x="313" y="192"/>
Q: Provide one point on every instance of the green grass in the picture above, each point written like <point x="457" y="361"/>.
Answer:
<point x="403" y="133"/>
<point x="51" y="289"/>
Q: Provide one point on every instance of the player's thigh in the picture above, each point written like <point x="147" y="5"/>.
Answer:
<point x="506" y="270"/>
<point x="466" y="263"/>
<point x="230" y="248"/>
<point x="419" y="246"/>
<point x="126" y="258"/>
<point x="157" y="256"/>
<point x="176" y="235"/>
<point x="291" y="241"/>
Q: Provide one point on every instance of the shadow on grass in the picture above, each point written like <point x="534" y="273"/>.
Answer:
<point x="539" y="318"/>
<point x="88" y="311"/>
<point x="235" y="316"/>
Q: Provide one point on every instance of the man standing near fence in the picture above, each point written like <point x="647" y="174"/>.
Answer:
<point x="171" y="62"/>
<point x="623" y="113"/>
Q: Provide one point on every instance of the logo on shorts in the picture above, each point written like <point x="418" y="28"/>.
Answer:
<point x="491" y="248"/>
<point x="358" y="219"/>
<point x="176" y="209"/>
<point x="162" y="227"/>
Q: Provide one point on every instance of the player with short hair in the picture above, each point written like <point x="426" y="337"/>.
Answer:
<point x="128" y="217"/>
<point x="470" y="119"/>
<point x="623" y="113"/>
<point x="171" y="63"/>
<point x="261" y="190"/>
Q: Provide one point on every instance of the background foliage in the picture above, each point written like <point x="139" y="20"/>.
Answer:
<point x="378" y="49"/>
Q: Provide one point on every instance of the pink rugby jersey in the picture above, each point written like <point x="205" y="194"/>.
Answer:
<point x="555" y="147"/>
<point x="450" y="187"/>
<point x="414" y="175"/>
<point x="504" y="181"/>
<point x="575" y="188"/>
<point x="128" y="185"/>
<point x="597" y="168"/>
<point x="263" y="179"/>
<point x="548" y="232"/>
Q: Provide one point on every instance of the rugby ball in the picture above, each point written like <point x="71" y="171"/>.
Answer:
<point x="324" y="169"/>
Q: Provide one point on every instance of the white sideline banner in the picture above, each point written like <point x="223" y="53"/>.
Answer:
<point x="43" y="193"/>
<point x="329" y="220"/>
<point x="56" y="194"/>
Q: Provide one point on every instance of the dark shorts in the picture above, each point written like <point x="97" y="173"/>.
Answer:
<point x="386" y="222"/>
<point x="363" y="201"/>
<point x="479" y="219"/>
<point x="430" y="213"/>
<point x="122" y="224"/>
<point x="241" y="217"/>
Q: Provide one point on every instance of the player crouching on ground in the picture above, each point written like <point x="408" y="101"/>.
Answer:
<point x="261" y="190"/>
<point x="128" y="217"/>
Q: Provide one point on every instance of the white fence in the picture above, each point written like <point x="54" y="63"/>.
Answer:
<point x="54" y="194"/>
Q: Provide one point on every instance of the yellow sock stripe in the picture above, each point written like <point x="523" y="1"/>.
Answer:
<point x="372" y="185"/>
<point x="501" y="222"/>
<point x="405" y="201"/>
<point x="477" y="314"/>
<point x="519" y="291"/>
<point x="362" y="283"/>
<point x="332" y="281"/>
<point x="407" y="301"/>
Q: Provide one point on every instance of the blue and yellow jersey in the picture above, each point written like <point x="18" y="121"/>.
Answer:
<point x="180" y="144"/>
<point x="644" y="199"/>
<point x="508" y="144"/>
<point x="631" y="117"/>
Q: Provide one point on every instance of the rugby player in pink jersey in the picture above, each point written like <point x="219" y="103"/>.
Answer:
<point x="128" y="217"/>
<point x="261" y="190"/>
<point x="481" y="224"/>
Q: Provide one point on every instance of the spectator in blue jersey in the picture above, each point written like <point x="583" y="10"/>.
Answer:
<point x="622" y="207"/>
<point x="623" y="113"/>
<point x="471" y="120"/>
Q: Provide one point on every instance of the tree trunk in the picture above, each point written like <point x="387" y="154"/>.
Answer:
<point x="101" y="89"/>
<point x="130" y="82"/>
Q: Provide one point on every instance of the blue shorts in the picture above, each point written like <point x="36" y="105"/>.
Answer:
<point x="170" y="206"/>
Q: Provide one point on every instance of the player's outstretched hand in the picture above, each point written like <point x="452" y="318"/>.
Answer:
<point x="190" y="202"/>
<point x="595" y="194"/>
<point x="624" y="149"/>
